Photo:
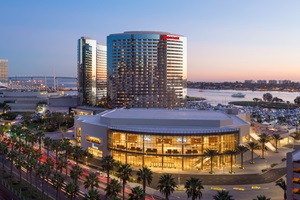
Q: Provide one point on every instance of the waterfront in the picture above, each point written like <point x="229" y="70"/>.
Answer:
<point x="215" y="97"/>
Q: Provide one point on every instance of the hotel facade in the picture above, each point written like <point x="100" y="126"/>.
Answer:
<point x="92" y="71"/>
<point x="161" y="138"/>
<point x="146" y="69"/>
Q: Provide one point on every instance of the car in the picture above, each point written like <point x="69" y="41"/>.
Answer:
<point x="69" y="162"/>
<point x="99" y="173"/>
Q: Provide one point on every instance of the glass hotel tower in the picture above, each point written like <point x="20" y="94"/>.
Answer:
<point x="92" y="71"/>
<point x="146" y="69"/>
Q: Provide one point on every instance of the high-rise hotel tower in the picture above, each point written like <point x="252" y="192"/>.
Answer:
<point x="146" y="69"/>
<point x="92" y="71"/>
<point x="4" y="71"/>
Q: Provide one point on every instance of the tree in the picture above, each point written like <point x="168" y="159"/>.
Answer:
<point x="241" y="149"/>
<point x="91" y="181"/>
<point x="262" y="197"/>
<point x="136" y="194"/>
<point x="263" y="139"/>
<point x="12" y="155"/>
<point x="145" y="175"/>
<point x="57" y="181"/>
<point x="231" y="153"/>
<point x="62" y="130"/>
<point x="56" y="146"/>
<point x="43" y="172"/>
<point x="3" y="153"/>
<point x="223" y="195"/>
<point x="75" y="173"/>
<point x="78" y="153"/>
<point x="193" y="187"/>
<point x="6" y="108"/>
<point x="40" y="134"/>
<point x="47" y="144"/>
<point x="297" y="100"/>
<point x="267" y="97"/>
<point x="277" y="138"/>
<point x="61" y="162"/>
<point x="72" y="189"/>
<point x="92" y="195"/>
<point x="252" y="146"/>
<point x="67" y="146"/>
<point x="113" y="188"/>
<point x="166" y="185"/>
<point x="32" y="162"/>
<point x="211" y="153"/>
<point x="108" y="164"/>
<point x="295" y="135"/>
<point x="282" y="184"/>
<point x="124" y="173"/>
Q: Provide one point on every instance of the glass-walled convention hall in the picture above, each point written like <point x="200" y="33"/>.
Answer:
<point x="182" y="151"/>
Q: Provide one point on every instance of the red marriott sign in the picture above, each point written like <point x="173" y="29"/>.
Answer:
<point x="170" y="37"/>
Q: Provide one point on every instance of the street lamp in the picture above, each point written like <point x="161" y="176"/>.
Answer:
<point x="86" y="160"/>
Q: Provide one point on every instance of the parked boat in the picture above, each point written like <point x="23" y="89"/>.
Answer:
<point x="238" y="95"/>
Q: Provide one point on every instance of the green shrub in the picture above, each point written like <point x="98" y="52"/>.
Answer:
<point x="263" y="170"/>
<point x="274" y="164"/>
<point x="283" y="159"/>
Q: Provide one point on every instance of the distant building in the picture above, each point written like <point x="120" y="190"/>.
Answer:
<point x="261" y="81"/>
<point x="272" y="81"/>
<point x="146" y="69"/>
<point x="249" y="81"/>
<point x="4" y="71"/>
<point x="91" y="69"/>
<point x="286" y="82"/>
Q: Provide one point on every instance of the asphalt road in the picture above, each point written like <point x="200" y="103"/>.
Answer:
<point x="235" y="179"/>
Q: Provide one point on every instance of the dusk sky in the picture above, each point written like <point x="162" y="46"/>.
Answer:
<point x="227" y="40"/>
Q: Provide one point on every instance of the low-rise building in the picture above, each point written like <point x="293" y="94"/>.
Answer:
<point x="161" y="138"/>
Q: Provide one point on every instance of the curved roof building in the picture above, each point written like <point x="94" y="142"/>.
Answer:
<point x="162" y="138"/>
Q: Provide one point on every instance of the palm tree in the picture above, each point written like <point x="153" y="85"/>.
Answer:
<point x="57" y="181"/>
<point x="62" y="130"/>
<point x="72" y="189"/>
<point x="32" y="162"/>
<point x="40" y="134"/>
<point x="145" y="175"/>
<point x="108" y="164"/>
<point x="113" y="188"/>
<point x="242" y="149"/>
<point x="277" y="138"/>
<point x="56" y="146"/>
<point x="231" y="153"/>
<point x="252" y="146"/>
<point x="43" y="172"/>
<point x="61" y="162"/>
<point x="92" y="195"/>
<point x="166" y="185"/>
<point x="3" y="153"/>
<point x="91" y="181"/>
<point x="75" y="173"/>
<point x="67" y="146"/>
<point x="19" y="163"/>
<point x="193" y="187"/>
<point x="223" y="195"/>
<point x="262" y="197"/>
<point x="124" y="173"/>
<point x="211" y="153"/>
<point x="263" y="139"/>
<point x="136" y="194"/>
<point x="47" y="144"/>
<point x="78" y="153"/>
<point x="282" y="184"/>
<point x="12" y="155"/>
